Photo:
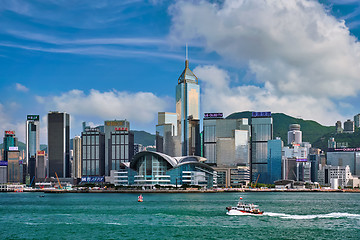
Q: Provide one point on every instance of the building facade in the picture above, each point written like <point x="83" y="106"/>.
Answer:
<point x="274" y="160"/>
<point x="93" y="153"/>
<point x="345" y="157"/>
<point x="261" y="133"/>
<point x="151" y="169"/>
<point x="110" y="126"/>
<point x="77" y="156"/>
<point x="122" y="147"/>
<point x="188" y="111"/>
<point x="167" y="139"/>
<point x="59" y="144"/>
<point x="32" y="139"/>
<point x="357" y="120"/>
<point x="349" y="126"/>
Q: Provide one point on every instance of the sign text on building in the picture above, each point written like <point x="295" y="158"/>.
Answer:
<point x="261" y="114"/>
<point x="33" y="117"/>
<point x="213" y="115"/>
<point x="92" y="179"/>
<point x="13" y="148"/>
<point x="10" y="132"/>
<point x="121" y="129"/>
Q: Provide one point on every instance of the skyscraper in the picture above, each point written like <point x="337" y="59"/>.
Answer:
<point x="32" y="139"/>
<point x="59" y="144"/>
<point x="77" y="157"/>
<point x="111" y="127"/>
<point x="274" y="160"/>
<point x="261" y="133"/>
<point x="188" y="110"/>
<point x="93" y="152"/>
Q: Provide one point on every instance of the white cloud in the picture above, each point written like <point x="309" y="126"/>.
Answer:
<point x="216" y="82"/>
<point x="21" y="88"/>
<point x="7" y="124"/>
<point x="140" y="107"/>
<point x="298" y="54"/>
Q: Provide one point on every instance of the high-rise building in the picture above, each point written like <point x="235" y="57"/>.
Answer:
<point x="41" y="166"/>
<point x="77" y="157"/>
<point x="15" y="166"/>
<point x="10" y="141"/>
<point x="167" y="139"/>
<point x="261" y="133"/>
<point x="188" y="111"/>
<point x="349" y="126"/>
<point x="93" y="152"/>
<point x="357" y="120"/>
<point x="32" y="138"/>
<point x="122" y="148"/>
<point x="59" y="144"/>
<point x="294" y="134"/>
<point x="110" y="128"/>
<point x="338" y="127"/>
<point x="274" y="160"/>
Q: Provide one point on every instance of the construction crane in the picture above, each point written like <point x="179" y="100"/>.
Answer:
<point x="58" y="180"/>
<point x="32" y="181"/>
<point x="256" y="180"/>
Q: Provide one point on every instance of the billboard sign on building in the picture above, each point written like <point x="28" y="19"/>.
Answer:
<point x="301" y="159"/>
<point x="344" y="149"/>
<point x="3" y="163"/>
<point x="213" y="115"/>
<point x="13" y="148"/>
<point x="261" y="114"/>
<point x="33" y="117"/>
<point x="92" y="179"/>
<point x="9" y="132"/>
<point x="114" y="123"/>
<point x="121" y="129"/>
<point x="41" y="153"/>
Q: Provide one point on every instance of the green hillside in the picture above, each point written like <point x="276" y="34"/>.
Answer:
<point x="311" y="130"/>
<point x="353" y="139"/>
<point x="144" y="138"/>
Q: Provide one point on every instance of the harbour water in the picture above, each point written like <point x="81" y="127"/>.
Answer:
<point x="178" y="216"/>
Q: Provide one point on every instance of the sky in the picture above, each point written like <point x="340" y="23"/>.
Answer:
<point x="106" y="60"/>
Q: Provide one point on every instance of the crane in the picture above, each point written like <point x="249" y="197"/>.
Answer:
<point x="257" y="180"/>
<point x="58" y="180"/>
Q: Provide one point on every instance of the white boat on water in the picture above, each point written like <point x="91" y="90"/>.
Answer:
<point x="244" y="209"/>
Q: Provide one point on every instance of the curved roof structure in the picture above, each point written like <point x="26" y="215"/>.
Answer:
<point x="173" y="161"/>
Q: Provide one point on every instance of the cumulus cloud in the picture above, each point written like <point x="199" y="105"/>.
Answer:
<point x="21" y="88"/>
<point x="295" y="50"/>
<point x="140" y="107"/>
<point x="7" y="123"/>
<point x="216" y="82"/>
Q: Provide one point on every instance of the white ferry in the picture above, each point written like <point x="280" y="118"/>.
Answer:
<point x="243" y="209"/>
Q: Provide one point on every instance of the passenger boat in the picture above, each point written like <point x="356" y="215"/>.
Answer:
<point x="243" y="208"/>
<point x="140" y="198"/>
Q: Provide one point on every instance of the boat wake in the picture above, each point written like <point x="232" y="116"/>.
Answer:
<point x="238" y="213"/>
<point x="329" y="215"/>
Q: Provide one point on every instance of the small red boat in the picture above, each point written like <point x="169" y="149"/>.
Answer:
<point x="140" y="198"/>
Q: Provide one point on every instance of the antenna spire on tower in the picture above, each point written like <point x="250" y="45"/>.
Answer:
<point x="186" y="52"/>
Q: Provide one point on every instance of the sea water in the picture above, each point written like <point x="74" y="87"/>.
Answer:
<point x="178" y="216"/>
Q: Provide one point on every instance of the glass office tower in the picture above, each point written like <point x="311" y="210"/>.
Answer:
<point x="274" y="160"/>
<point x="59" y="144"/>
<point x="32" y="139"/>
<point x="93" y="152"/>
<point x="261" y="133"/>
<point x="188" y="110"/>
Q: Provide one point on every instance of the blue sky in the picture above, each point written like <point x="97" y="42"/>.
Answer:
<point x="101" y="60"/>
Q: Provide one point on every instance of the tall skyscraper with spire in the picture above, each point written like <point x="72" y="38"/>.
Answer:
<point x="188" y="111"/>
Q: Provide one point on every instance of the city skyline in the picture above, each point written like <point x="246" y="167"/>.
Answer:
<point x="121" y="60"/>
